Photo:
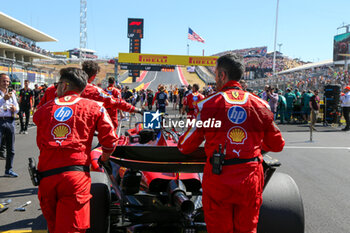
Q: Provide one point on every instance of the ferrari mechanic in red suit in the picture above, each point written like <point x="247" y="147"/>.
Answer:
<point x="94" y="92"/>
<point x="112" y="89"/>
<point x="116" y="93"/>
<point x="49" y="94"/>
<point x="232" y="197"/>
<point x="190" y="101"/>
<point x="65" y="128"/>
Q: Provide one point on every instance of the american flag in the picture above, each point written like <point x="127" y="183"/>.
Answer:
<point x="194" y="36"/>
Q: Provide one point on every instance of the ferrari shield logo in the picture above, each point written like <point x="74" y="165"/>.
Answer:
<point x="67" y="98"/>
<point x="235" y="94"/>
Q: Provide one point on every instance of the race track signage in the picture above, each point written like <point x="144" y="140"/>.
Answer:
<point x="135" y="33"/>
<point x="160" y="59"/>
<point x="135" y="28"/>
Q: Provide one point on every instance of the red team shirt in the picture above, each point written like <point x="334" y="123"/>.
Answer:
<point x="231" y="200"/>
<point x="113" y="112"/>
<point x="96" y="93"/>
<point x="191" y="101"/>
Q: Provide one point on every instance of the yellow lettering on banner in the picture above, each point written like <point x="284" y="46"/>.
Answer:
<point x="202" y="61"/>
<point x="153" y="59"/>
<point x="161" y="59"/>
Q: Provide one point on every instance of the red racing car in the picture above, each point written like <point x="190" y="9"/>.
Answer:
<point x="156" y="188"/>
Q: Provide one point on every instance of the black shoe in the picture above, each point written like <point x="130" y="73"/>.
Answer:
<point x="346" y="129"/>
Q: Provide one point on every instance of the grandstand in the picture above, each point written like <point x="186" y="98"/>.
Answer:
<point x="258" y="63"/>
<point x="291" y="73"/>
<point x="18" y="49"/>
<point x="306" y="77"/>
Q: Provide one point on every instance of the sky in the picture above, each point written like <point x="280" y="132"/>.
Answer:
<point x="305" y="27"/>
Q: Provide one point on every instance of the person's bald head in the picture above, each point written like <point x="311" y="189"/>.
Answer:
<point x="3" y="75"/>
<point x="4" y="81"/>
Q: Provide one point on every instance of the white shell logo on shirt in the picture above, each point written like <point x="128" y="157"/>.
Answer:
<point x="63" y="114"/>
<point x="237" y="115"/>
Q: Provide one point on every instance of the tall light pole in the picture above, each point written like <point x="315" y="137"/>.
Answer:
<point x="274" y="49"/>
<point x="279" y="47"/>
<point x="83" y="30"/>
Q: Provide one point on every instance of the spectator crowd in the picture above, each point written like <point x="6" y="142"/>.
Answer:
<point x="16" y="41"/>
<point x="305" y="79"/>
<point x="259" y="63"/>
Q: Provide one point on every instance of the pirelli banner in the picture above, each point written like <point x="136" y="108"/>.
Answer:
<point x="160" y="59"/>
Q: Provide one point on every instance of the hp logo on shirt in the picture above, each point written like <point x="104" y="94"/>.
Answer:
<point x="237" y="115"/>
<point x="63" y="114"/>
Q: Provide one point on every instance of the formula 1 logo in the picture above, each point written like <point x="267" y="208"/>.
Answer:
<point x="237" y="115"/>
<point x="151" y="120"/>
<point x="63" y="114"/>
<point x="135" y="23"/>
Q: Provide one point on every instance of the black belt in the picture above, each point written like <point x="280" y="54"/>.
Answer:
<point x="4" y="118"/>
<point x="237" y="161"/>
<point x="59" y="170"/>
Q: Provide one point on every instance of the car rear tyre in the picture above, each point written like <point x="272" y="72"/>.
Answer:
<point x="282" y="209"/>
<point x="99" y="203"/>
